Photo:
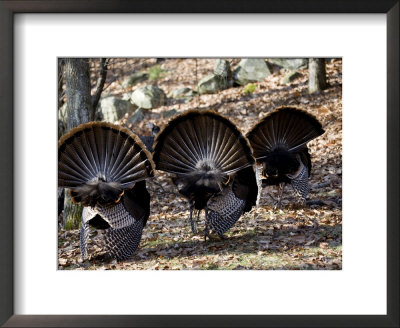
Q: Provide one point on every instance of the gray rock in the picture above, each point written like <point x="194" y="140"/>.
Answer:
<point x="135" y="78"/>
<point x="127" y="96"/>
<point x="211" y="84"/>
<point x="251" y="70"/>
<point x="114" y="108"/>
<point x="181" y="93"/>
<point x="222" y="68"/>
<point x="290" y="63"/>
<point x="148" y="97"/>
<point x="289" y="77"/>
<point x="137" y="116"/>
<point x="169" y="113"/>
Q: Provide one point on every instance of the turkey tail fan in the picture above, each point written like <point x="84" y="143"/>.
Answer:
<point x="204" y="151"/>
<point x="201" y="141"/>
<point x="99" y="160"/>
<point x="285" y="128"/>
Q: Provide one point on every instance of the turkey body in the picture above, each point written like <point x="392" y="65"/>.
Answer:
<point x="211" y="164"/>
<point x="105" y="167"/>
<point x="279" y="143"/>
<point x="225" y="209"/>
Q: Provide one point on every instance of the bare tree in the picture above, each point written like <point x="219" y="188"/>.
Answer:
<point x="81" y="108"/>
<point x="79" y="101"/>
<point x="99" y="85"/>
<point x="316" y="75"/>
<point x="62" y="124"/>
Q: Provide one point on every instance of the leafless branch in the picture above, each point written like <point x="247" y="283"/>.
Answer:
<point x="99" y="85"/>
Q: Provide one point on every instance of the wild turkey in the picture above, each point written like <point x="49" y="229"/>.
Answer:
<point x="148" y="141"/>
<point x="279" y="143"/>
<point x="105" y="167"/>
<point x="212" y="166"/>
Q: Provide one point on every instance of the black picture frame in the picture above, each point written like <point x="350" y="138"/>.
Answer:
<point x="7" y="199"/>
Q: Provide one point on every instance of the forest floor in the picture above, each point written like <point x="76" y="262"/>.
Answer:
<point x="291" y="238"/>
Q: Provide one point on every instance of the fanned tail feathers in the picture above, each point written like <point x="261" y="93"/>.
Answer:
<point x="285" y="128"/>
<point x="202" y="148"/>
<point x="99" y="160"/>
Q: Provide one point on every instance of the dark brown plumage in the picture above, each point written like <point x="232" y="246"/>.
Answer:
<point x="279" y="143"/>
<point x="211" y="165"/>
<point x="105" y="168"/>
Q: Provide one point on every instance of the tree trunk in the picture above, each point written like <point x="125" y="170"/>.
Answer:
<point x="60" y="82"/>
<point x="72" y="213"/>
<point x="77" y="82"/>
<point x="79" y="110"/>
<point x="316" y="75"/>
<point x="62" y="124"/>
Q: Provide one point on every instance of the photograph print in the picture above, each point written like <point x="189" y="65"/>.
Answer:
<point x="199" y="163"/>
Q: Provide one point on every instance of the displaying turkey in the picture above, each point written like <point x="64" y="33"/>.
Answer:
<point x="105" y="167"/>
<point x="212" y="166"/>
<point x="279" y="143"/>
